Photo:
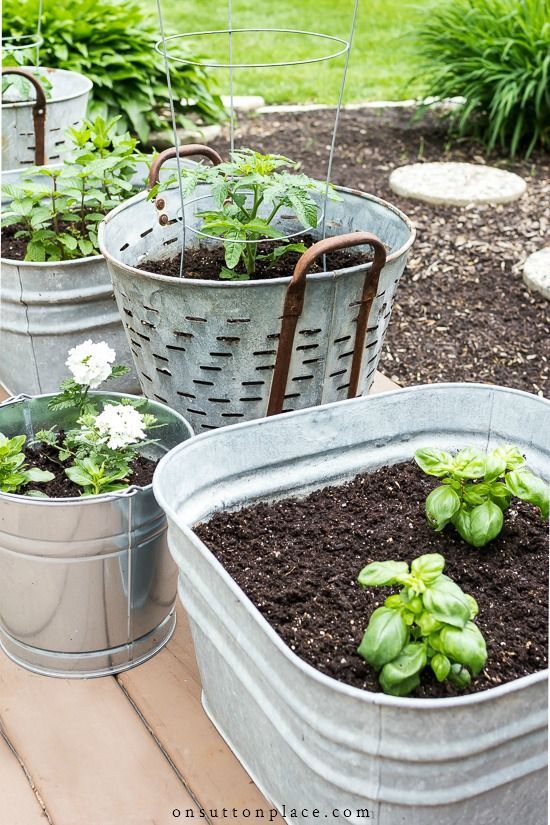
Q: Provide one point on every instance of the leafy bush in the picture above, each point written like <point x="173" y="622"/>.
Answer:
<point x="112" y="43"/>
<point x="496" y="54"/>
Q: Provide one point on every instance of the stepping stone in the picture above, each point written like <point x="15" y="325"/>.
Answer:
<point x="456" y="184"/>
<point x="536" y="272"/>
<point x="244" y="103"/>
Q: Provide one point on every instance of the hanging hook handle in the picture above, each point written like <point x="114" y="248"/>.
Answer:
<point x="38" y="111"/>
<point x="186" y="151"/>
<point x="294" y="304"/>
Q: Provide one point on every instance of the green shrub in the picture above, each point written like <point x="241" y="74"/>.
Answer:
<point x="112" y="43"/>
<point x="496" y="54"/>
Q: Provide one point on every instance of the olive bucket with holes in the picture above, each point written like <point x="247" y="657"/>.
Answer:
<point x="226" y="351"/>
<point x="33" y="131"/>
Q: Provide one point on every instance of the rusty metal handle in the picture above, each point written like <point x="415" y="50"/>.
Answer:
<point x="186" y="151"/>
<point x="294" y="304"/>
<point x="38" y="111"/>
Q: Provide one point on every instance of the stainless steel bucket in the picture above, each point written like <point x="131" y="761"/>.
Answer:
<point x="24" y="128"/>
<point x="209" y="348"/>
<point x="310" y="741"/>
<point x="87" y="586"/>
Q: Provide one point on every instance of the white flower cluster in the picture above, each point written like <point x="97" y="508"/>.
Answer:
<point x="123" y="425"/>
<point x="90" y="363"/>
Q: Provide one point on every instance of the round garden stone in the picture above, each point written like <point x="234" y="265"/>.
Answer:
<point x="536" y="271"/>
<point x="456" y="184"/>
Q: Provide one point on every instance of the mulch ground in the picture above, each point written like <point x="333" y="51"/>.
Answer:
<point x="462" y="311"/>
<point x="298" y="561"/>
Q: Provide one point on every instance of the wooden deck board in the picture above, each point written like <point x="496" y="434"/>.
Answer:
<point x="18" y="802"/>
<point x="91" y="757"/>
<point x="167" y="692"/>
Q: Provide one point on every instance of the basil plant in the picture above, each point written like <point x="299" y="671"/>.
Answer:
<point x="429" y="622"/>
<point x="476" y="489"/>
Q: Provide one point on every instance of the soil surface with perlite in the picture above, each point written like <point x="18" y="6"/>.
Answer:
<point x="298" y="561"/>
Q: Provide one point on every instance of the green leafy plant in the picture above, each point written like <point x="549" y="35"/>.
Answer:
<point x="249" y="191"/>
<point x="429" y="622"/>
<point x="476" y="489"/>
<point x="57" y="210"/>
<point x="15" y="473"/>
<point x="17" y="88"/>
<point x="496" y="54"/>
<point x="112" y="43"/>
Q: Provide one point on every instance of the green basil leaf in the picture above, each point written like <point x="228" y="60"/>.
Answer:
<point x="461" y="521"/>
<point x="528" y="487"/>
<point x="385" y="637"/>
<point x="441" y="505"/>
<point x="446" y="602"/>
<point x="511" y="455"/>
<point x="382" y="573"/>
<point x="499" y="493"/>
<point x="434" y="462"/>
<point x="428" y="567"/>
<point x="459" y="676"/>
<point x="427" y="623"/>
<point x="394" y="602"/>
<point x="486" y="522"/>
<point x="465" y="645"/>
<point x="495" y="466"/>
<point x="469" y="463"/>
<point x="440" y="666"/>
<point x="400" y="676"/>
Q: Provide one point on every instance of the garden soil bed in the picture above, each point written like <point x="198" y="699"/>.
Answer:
<point x="207" y="263"/>
<point x="45" y="458"/>
<point x="298" y="561"/>
<point x="462" y="311"/>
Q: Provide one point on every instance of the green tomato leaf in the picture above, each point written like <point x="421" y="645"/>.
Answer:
<point x="441" y="506"/>
<point x="440" y="666"/>
<point x="486" y="522"/>
<point x="434" y="462"/>
<point x="401" y="675"/>
<point x="382" y="573"/>
<point x="465" y="645"/>
<point x="446" y="602"/>
<point x="385" y="637"/>
<point x="428" y="567"/>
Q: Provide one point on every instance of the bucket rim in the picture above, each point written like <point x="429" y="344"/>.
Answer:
<point x="86" y="87"/>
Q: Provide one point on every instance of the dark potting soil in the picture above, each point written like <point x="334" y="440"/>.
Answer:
<point x="207" y="263"/>
<point x="46" y="458"/>
<point x="298" y="561"/>
<point x="16" y="248"/>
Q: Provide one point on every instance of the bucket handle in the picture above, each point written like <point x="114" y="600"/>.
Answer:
<point x="294" y="304"/>
<point x="38" y="111"/>
<point x="185" y="151"/>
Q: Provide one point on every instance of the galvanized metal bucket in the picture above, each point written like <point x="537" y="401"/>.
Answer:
<point x="33" y="131"/>
<point x="87" y="586"/>
<point x="227" y="351"/>
<point x="310" y="741"/>
<point x="47" y="308"/>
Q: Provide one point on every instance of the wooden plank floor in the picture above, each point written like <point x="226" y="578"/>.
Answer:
<point x="125" y="750"/>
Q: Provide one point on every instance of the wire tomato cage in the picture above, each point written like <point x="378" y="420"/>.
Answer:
<point x="17" y="43"/>
<point x="336" y="47"/>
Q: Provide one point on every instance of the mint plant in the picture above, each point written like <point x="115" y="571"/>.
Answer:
<point x="476" y="489"/>
<point x="15" y="473"/>
<point x="57" y="210"/>
<point x="249" y="192"/>
<point x="429" y="622"/>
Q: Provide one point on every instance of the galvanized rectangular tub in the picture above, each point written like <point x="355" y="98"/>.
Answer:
<point x="307" y="740"/>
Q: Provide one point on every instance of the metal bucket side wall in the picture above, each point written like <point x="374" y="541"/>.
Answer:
<point x="46" y="310"/>
<point x="208" y="348"/>
<point x="66" y="108"/>
<point x="87" y="586"/>
<point x="323" y="743"/>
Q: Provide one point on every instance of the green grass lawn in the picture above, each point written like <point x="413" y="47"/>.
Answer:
<point x="381" y="65"/>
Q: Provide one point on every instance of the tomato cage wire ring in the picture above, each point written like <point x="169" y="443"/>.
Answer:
<point x="343" y="47"/>
<point x="195" y="231"/>
<point x="28" y="41"/>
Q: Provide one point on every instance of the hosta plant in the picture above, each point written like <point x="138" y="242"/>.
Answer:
<point x="249" y="192"/>
<point x="56" y="210"/>
<point x="476" y="489"/>
<point x="430" y="622"/>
